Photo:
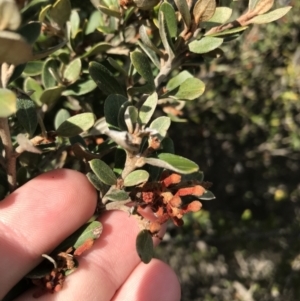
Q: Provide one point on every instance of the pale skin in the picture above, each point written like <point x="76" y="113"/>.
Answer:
<point x="43" y="212"/>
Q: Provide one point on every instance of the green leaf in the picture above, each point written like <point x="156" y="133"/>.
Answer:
<point x="8" y="103"/>
<point x="271" y="16"/>
<point x="112" y="106"/>
<point x="109" y="12"/>
<point x="96" y="49"/>
<point x="170" y="18"/>
<point x="105" y="80"/>
<point x="204" y="10"/>
<point x="60" y="12"/>
<point x="95" y="181"/>
<point x="221" y="15"/>
<point x="46" y="52"/>
<point x="61" y="116"/>
<point x="161" y="125"/>
<point x="150" y="53"/>
<point x="33" y="68"/>
<point x="31" y="84"/>
<point x="93" y="22"/>
<point x="142" y="66"/>
<point x="80" y="88"/>
<point x="146" y="40"/>
<point x="173" y="162"/>
<point x="136" y="177"/>
<point x="167" y="145"/>
<point x="51" y="95"/>
<point x="117" y="195"/>
<point x="74" y="23"/>
<point x="103" y="172"/>
<point x="30" y="31"/>
<point x="121" y="116"/>
<point x="207" y="196"/>
<point x="190" y="89"/>
<point x="11" y="43"/>
<point x="130" y="117"/>
<point x="26" y="114"/>
<point x="48" y="79"/>
<point x="165" y="35"/>
<point x="72" y="71"/>
<point x="144" y="246"/>
<point x="177" y="80"/>
<point x="147" y="109"/>
<point x="228" y="32"/>
<point x="206" y="44"/>
<point x="91" y="230"/>
<point x="184" y="11"/>
<point x="76" y="124"/>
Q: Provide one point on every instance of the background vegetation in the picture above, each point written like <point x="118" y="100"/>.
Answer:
<point x="244" y="133"/>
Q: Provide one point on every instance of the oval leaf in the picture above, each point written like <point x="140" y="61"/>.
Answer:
<point x="205" y="45"/>
<point x="72" y="71"/>
<point x="170" y="18"/>
<point x="161" y="125"/>
<point x="31" y="84"/>
<point x="80" y="88"/>
<point x="103" y="172"/>
<point x="30" y="31"/>
<point x="112" y="105"/>
<point x="184" y="11"/>
<point x="144" y="246"/>
<point x="8" y="103"/>
<point x="142" y="66"/>
<point x="26" y="114"/>
<point x="11" y="43"/>
<point x="60" y="12"/>
<point x="136" y="177"/>
<point x="76" y="124"/>
<point x="147" y="109"/>
<point x="61" y="116"/>
<point x="173" y="162"/>
<point x="190" y="89"/>
<point x="177" y="80"/>
<point x="271" y="16"/>
<point x="204" y="10"/>
<point x="117" y="195"/>
<point x="105" y="80"/>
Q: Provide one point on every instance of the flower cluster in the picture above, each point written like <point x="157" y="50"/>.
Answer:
<point x="170" y="198"/>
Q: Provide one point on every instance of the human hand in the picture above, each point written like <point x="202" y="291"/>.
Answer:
<point x="42" y="213"/>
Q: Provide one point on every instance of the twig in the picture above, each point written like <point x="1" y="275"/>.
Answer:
<point x="10" y="156"/>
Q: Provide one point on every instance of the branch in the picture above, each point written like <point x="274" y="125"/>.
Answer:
<point x="10" y="156"/>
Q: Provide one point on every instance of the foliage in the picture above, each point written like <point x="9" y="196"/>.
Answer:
<point x="88" y="90"/>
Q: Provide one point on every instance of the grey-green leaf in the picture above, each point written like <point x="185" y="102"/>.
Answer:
<point x="76" y="124"/>
<point x="51" y="95"/>
<point x="26" y="114"/>
<point x="161" y="125"/>
<point x="60" y="12"/>
<point x="31" y="84"/>
<point x="130" y="118"/>
<point x="184" y="11"/>
<point x="103" y="172"/>
<point x="207" y="196"/>
<point x="271" y="16"/>
<point x="206" y="44"/>
<point x="136" y="177"/>
<point x="142" y="66"/>
<point x="170" y="18"/>
<point x="48" y="79"/>
<point x="177" y="80"/>
<point x="173" y="162"/>
<point x="7" y="102"/>
<point x="112" y="105"/>
<point x="190" y="89"/>
<point x="72" y="71"/>
<point x="30" y="31"/>
<point x="144" y="246"/>
<point x="117" y="195"/>
<point x="105" y="80"/>
<point x="147" y="109"/>
<point x="61" y="116"/>
<point x="80" y="87"/>
<point x="33" y="68"/>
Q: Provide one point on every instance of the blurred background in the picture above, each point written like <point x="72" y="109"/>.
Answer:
<point x="244" y="133"/>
